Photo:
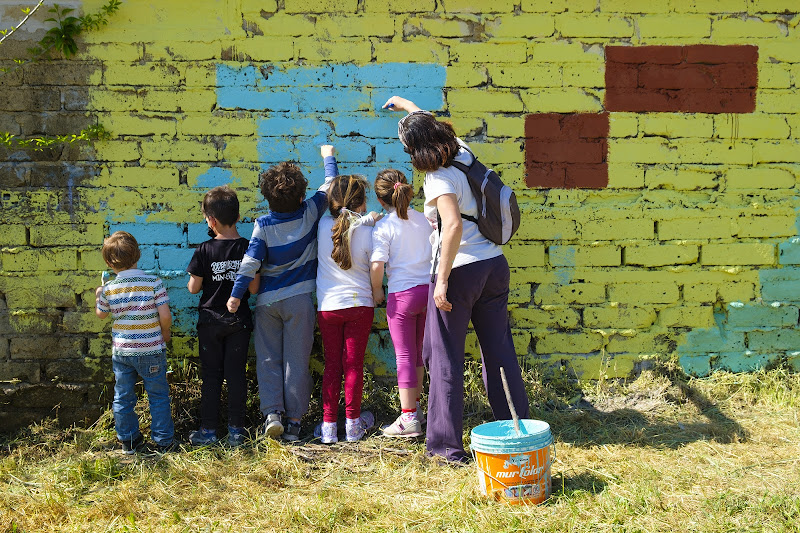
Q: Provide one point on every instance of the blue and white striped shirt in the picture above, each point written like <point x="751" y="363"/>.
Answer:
<point x="284" y="249"/>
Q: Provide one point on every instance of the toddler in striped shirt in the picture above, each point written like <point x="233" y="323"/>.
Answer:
<point x="139" y="305"/>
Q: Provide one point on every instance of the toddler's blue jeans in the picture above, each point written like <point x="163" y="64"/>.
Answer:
<point x="153" y="370"/>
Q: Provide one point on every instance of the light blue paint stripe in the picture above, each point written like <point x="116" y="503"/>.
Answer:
<point x="403" y="75"/>
<point x="390" y="152"/>
<point x="153" y="232"/>
<point x="277" y="149"/>
<point x="306" y="126"/>
<point x="216" y="176"/>
<point x="332" y="100"/>
<point x="198" y="233"/>
<point x="148" y="259"/>
<point x="348" y="150"/>
<point x="174" y="258"/>
<point x="383" y="126"/>
<point x="789" y="252"/>
<point x="229" y="76"/>
<point x="251" y="98"/>
<point x="431" y="99"/>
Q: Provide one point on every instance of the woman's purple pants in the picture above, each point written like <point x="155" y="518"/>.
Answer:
<point x="478" y="291"/>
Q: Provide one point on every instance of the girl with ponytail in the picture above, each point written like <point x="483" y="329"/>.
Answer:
<point x="346" y="308"/>
<point x="400" y="242"/>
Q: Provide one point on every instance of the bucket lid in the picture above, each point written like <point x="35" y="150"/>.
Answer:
<point x="501" y="437"/>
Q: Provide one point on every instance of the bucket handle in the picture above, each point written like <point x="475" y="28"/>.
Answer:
<point x="549" y="464"/>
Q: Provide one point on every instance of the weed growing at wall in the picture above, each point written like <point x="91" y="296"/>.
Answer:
<point x="58" y="40"/>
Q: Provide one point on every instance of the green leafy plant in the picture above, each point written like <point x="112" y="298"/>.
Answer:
<point x="91" y="133"/>
<point x="61" y="37"/>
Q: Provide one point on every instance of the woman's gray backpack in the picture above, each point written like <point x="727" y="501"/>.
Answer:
<point x="498" y="212"/>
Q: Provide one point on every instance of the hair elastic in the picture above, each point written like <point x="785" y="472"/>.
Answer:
<point x="397" y="185"/>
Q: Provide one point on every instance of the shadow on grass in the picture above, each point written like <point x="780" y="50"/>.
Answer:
<point x="585" y="423"/>
<point x="571" y="485"/>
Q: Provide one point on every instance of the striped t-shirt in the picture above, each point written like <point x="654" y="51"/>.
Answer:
<point x="132" y="298"/>
<point x="283" y="248"/>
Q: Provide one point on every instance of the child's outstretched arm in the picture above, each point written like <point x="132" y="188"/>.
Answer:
<point x="331" y="167"/>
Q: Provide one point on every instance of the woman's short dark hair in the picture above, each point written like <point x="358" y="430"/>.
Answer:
<point x="283" y="186"/>
<point x="430" y="143"/>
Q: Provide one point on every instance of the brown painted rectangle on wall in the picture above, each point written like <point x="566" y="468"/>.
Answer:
<point x="690" y="79"/>
<point x="566" y="150"/>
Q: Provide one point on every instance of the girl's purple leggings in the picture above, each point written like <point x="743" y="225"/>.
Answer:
<point x="405" y="312"/>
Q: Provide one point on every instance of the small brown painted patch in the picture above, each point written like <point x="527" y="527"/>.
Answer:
<point x="689" y="79"/>
<point x="566" y="150"/>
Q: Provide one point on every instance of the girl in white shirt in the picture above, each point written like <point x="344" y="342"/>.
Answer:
<point x="346" y="309"/>
<point x="400" y="241"/>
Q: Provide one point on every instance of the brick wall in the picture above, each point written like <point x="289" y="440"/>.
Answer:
<point x="655" y="148"/>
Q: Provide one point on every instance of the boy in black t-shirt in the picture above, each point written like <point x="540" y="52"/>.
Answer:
<point x="224" y="337"/>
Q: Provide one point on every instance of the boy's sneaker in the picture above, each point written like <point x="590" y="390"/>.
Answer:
<point x="203" y="437"/>
<point x="273" y="426"/>
<point x="326" y="432"/>
<point x="236" y="436"/>
<point x="357" y="428"/>
<point x="292" y="431"/>
<point x="173" y="446"/>
<point x="129" y="447"/>
<point x="403" y="427"/>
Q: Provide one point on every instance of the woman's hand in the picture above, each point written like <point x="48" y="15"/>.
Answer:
<point x="440" y="295"/>
<point x="327" y="150"/>
<point x="399" y="103"/>
<point x="233" y="304"/>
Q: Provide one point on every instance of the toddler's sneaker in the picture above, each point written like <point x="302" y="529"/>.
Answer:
<point x="129" y="447"/>
<point x="273" y="426"/>
<point x="326" y="432"/>
<point x="203" y="437"/>
<point x="356" y="428"/>
<point x="403" y="427"/>
<point x="292" y="431"/>
<point x="236" y="436"/>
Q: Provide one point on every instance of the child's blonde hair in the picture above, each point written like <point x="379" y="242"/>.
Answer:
<point x="345" y="195"/>
<point x="121" y="251"/>
<point x="392" y="189"/>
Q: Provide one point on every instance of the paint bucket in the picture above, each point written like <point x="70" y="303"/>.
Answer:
<point x="514" y="467"/>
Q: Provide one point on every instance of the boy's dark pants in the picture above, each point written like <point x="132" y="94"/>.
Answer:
<point x="223" y="355"/>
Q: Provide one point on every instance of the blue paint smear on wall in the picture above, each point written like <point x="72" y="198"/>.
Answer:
<point x="729" y="345"/>
<point x="298" y="108"/>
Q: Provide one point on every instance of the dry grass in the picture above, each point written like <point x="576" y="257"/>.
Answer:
<point x="659" y="454"/>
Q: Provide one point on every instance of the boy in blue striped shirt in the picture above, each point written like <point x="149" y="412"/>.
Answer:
<point x="283" y="249"/>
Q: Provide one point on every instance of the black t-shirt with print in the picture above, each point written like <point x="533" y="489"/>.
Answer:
<point x="217" y="261"/>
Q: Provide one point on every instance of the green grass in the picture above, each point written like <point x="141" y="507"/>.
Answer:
<point x="661" y="453"/>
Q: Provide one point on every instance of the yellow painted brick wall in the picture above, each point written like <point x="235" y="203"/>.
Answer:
<point x="694" y="236"/>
